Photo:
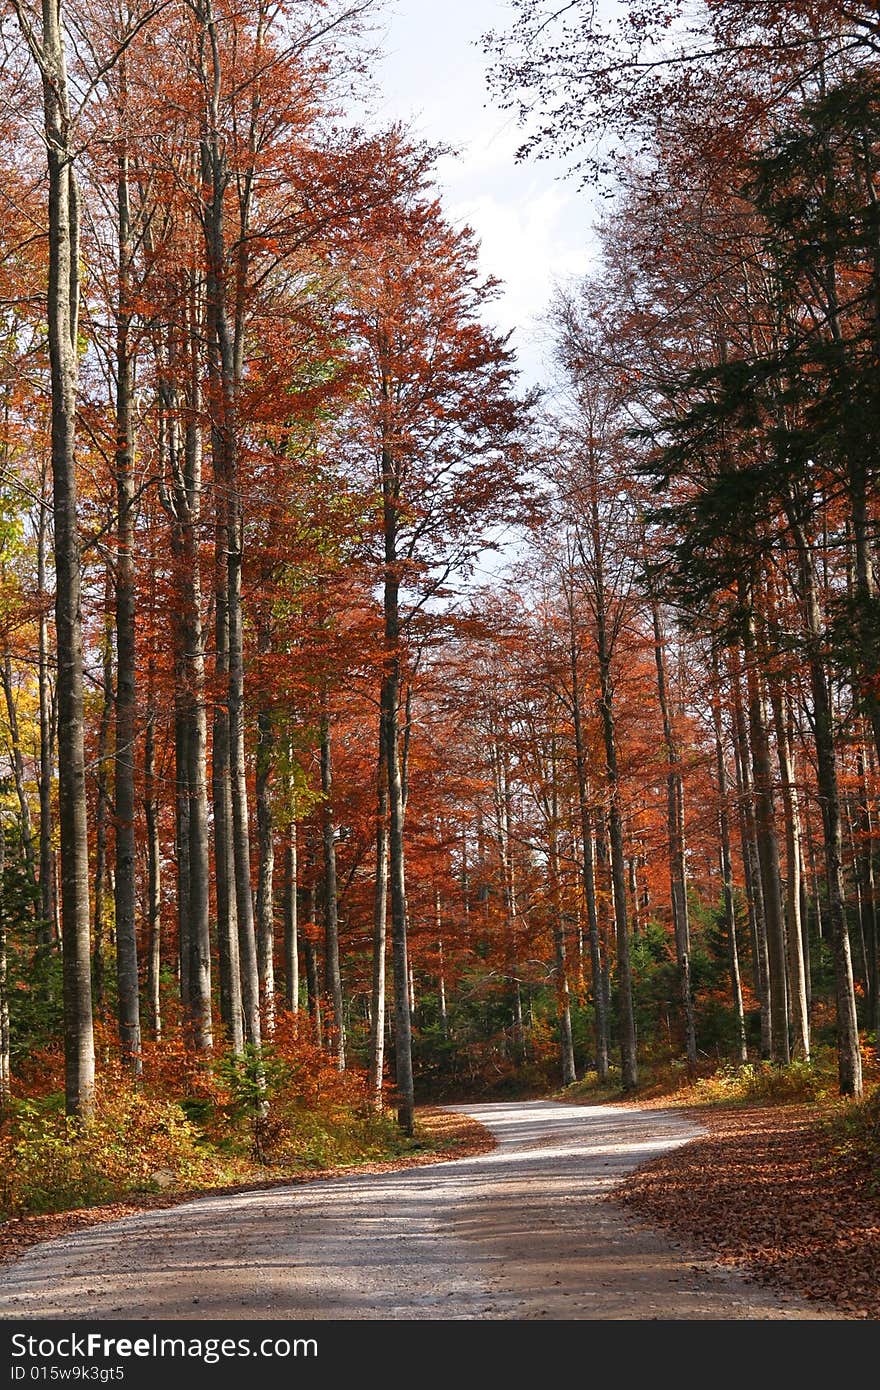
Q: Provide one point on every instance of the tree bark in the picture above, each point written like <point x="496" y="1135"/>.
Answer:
<point x="154" y="879"/>
<point x="754" y="892"/>
<point x="768" y="852"/>
<point x="5" y="1040"/>
<point x="376" y="1069"/>
<point x="332" y="973"/>
<point x="102" y="807"/>
<point x="800" y="1018"/>
<point x="389" y="703"/>
<point x="47" y="899"/>
<point x="266" y="858"/>
<point x="311" y="959"/>
<point x="869" y="894"/>
<point x="128" y="1001"/>
<point x="63" y="329"/>
<point x="849" y="1059"/>
<point x="727" y="868"/>
<point x="563" y="998"/>
<point x="291" y="923"/>
<point x="676" y="845"/>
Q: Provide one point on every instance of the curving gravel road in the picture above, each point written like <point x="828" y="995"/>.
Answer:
<point x="516" y="1233"/>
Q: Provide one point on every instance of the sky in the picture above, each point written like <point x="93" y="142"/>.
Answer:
<point x="535" y="226"/>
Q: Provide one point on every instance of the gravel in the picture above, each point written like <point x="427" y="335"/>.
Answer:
<point x="521" y="1232"/>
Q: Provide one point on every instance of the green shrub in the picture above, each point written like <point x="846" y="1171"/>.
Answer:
<point x="764" y="1081"/>
<point x="135" y="1144"/>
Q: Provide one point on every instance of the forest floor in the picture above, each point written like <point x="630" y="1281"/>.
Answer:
<point x="523" y="1231"/>
<point x="772" y="1188"/>
<point x="783" y="1193"/>
<point x="441" y="1135"/>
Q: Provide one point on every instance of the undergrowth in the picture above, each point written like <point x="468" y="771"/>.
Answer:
<point x="190" y="1124"/>
<point x="854" y="1132"/>
<point x="749" y="1083"/>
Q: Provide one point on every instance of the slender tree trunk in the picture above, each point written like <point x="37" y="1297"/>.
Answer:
<point x="849" y="1060"/>
<point x="154" y="876"/>
<point x="869" y="895"/>
<point x="768" y="854"/>
<point x="563" y="998"/>
<point x="224" y="854"/>
<point x="380" y="933"/>
<point x="181" y="845"/>
<point x="291" y="924"/>
<point x="311" y="959"/>
<point x="102" y="802"/>
<point x="191" y="804"/>
<point x="63" y="331"/>
<point x="128" y="1001"/>
<point x="241" y="858"/>
<point x="600" y="1013"/>
<point x="196" y="771"/>
<point x="47" y="899"/>
<point x="441" y="981"/>
<point x="754" y="892"/>
<point x="5" y="1040"/>
<point x="389" y="706"/>
<point x="727" y="870"/>
<point x="332" y="973"/>
<point x="266" y="857"/>
<point x="800" y="1022"/>
<point x="226" y="333"/>
<point x="675" y="834"/>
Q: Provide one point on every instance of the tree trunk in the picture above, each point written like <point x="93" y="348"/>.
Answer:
<point x="193" y="870"/>
<point x="376" y="1069"/>
<point x="332" y="973"/>
<point x="869" y="895"/>
<point x="291" y="924"/>
<point x="266" y="858"/>
<point x="241" y="857"/>
<point x="800" y="1019"/>
<point x="727" y="870"/>
<point x="676" y="845"/>
<point x="389" y="706"/>
<point x="5" y="1068"/>
<point x="63" y="320"/>
<point x="600" y="1013"/>
<point x="154" y="878"/>
<point x="225" y="334"/>
<point x="181" y="842"/>
<point x="563" y="999"/>
<point x="102" y="805"/>
<point x="754" y="893"/>
<point x="128" y="1002"/>
<point x="604" y="641"/>
<point x="849" y="1060"/>
<point x="768" y="853"/>
<point x="224" y="854"/>
<point x="311" y="958"/>
<point x="47" y="898"/>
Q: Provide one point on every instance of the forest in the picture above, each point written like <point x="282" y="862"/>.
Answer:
<point x="377" y="729"/>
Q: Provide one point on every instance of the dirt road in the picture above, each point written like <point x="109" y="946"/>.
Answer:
<point x="516" y="1233"/>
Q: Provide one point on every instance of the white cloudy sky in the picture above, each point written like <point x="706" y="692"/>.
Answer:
<point x="534" y="227"/>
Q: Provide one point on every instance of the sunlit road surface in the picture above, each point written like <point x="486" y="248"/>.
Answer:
<point x="522" y="1232"/>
